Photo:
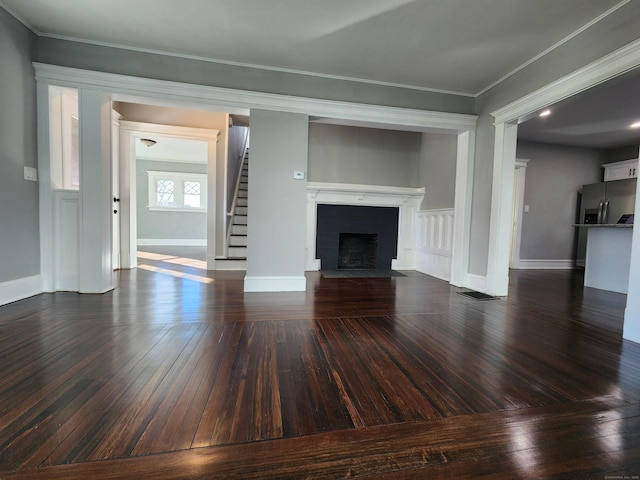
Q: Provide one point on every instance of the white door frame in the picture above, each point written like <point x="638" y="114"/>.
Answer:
<point x="115" y="187"/>
<point x="129" y="133"/>
<point x="616" y="63"/>
<point x="518" y="207"/>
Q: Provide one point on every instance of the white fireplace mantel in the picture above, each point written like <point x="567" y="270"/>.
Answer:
<point x="406" y="199"/>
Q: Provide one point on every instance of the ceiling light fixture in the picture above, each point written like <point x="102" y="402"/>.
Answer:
<point x="635" y="125"/>
<point x="545" y="113"/>
<point x="148" y="142"/>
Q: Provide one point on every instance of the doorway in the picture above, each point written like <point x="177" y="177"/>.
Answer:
<point x="518" y="210"/>
<point x="169" y="192"/>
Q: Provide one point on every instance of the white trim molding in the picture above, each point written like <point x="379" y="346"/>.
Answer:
<point x="19" y="289"/>
<point x="434" y="242"/>
<point x="275" y="284"/>
<point x="535" y="264"/>
<point x="406" y="199"/>
<point x="124" y="87"/>
<point x="616" y="63"/>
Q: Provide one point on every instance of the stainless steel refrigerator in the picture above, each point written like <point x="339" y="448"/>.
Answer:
<point x="605" y="203"/>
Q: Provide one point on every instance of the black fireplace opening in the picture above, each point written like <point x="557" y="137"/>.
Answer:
<point x="356" y="237"/>
<point x="358" y="251"/>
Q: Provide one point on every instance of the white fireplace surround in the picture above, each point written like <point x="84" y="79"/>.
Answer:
<point x="406" y="199"/>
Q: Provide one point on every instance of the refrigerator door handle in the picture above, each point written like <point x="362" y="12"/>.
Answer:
<point x="605" y="212"/>
<point x="600" y="208"/>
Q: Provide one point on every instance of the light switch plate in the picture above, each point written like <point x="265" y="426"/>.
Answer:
<point x="31" y="173"/>
<point x="298" y="175"/>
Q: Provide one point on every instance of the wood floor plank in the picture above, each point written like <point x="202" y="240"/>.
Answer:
<point x="378" y="391"/>
<point x="501" y="444"/>
<point x="310" y="397"/>
<point x="169" y="377"/>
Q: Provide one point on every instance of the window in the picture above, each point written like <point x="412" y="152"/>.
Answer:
<point x="63" y="138"/>
<point x="177" y="191"/>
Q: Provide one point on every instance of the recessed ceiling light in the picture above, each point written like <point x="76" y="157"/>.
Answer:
<point x="545" y="113"/>
<point x="635" y="125"/>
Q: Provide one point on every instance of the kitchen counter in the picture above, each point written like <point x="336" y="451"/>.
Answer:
<point x="608" y="256"/>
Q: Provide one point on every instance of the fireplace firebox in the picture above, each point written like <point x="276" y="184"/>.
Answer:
<point x="358" y="251"/>
<point x="354" y="237"/>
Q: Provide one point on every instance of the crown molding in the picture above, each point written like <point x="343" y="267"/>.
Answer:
<point x="200" y="94"/>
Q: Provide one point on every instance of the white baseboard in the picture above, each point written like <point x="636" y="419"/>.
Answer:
<point x="477" y="282"/>
<point x="275" y="284"/>
<point x="535" y="264"/>
<point x="173" y="242"/>
<point x="20" y="289"/>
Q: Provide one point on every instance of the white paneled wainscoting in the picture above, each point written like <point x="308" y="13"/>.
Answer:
<point x="434" y="242"/>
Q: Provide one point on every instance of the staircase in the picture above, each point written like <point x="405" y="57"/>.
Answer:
<point x="236" y="258"/>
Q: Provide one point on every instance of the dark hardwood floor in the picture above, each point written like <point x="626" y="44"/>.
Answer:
<point x="178" y="374"/>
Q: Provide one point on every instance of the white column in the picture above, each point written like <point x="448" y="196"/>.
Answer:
<point x="465" y="158"/>
<point x="501" y="209"/>
<point x="96" y="203"/>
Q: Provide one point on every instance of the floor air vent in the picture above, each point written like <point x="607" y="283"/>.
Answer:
<point x="477" y="295"/>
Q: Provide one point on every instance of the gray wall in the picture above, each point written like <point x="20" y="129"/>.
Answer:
<point x="438" y="170"/>
<point x="183" y="117"/>
<point x="167" y="225"/>
<point x="365" y="156"/>
<point x="613" y="32"/>
<point x="555" y="175"/>
<point x="277" y="202"/>
<point x="19" y="224"/>
<point x="165" y="67"/>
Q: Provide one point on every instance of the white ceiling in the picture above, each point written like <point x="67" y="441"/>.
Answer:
<point x="462" y="46"/>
